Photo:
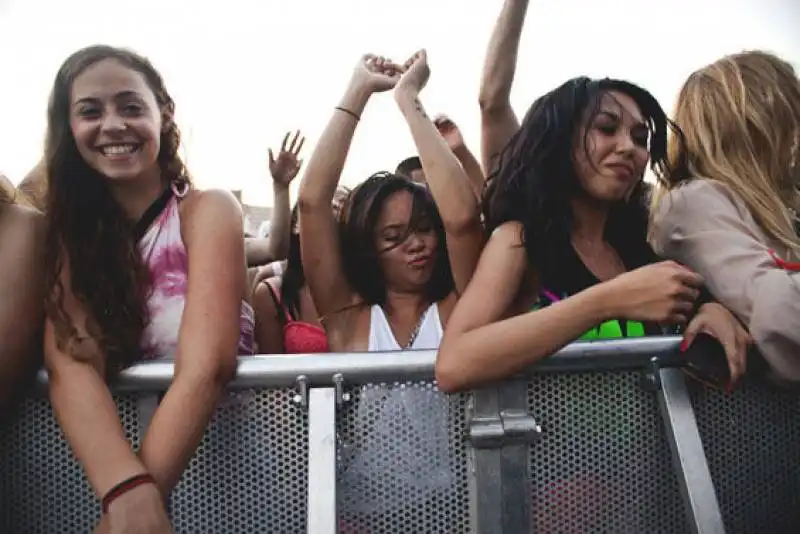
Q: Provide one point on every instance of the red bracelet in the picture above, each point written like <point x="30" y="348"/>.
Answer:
<point x="124" y="487"/>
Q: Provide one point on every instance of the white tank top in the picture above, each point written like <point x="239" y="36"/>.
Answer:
<point x="381" y="337"/>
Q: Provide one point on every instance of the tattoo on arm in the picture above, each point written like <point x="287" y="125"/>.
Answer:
<point x="418" y="105"/>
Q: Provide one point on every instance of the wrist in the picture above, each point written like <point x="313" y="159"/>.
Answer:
<point x="406" y="97"/>
<point x="603" y="302"/>
<point x="356" y="96"/>
<point x="131" y="489"/>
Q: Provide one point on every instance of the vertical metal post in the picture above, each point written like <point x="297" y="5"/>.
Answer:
<point x="322" y="461"/>
<point x="514" y="463"/>
<point x="694" y="477"/>
<point x="487" y="506"/>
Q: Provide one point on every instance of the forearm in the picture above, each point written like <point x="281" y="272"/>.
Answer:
<point x="177" y="427"/>
<point x="500" y="62"/>
<point x="500" y="350"/>
<point x="88" y="417"/>
<point x="325" y="166"/>
<point x="473" y="169"/>
<point x="278" y="238"/>
<point x="446" y="178"/>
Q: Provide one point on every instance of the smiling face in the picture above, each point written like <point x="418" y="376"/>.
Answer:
<point x="115" y="120"/>
<point x="407" y="256"/>
<point x="611" y="150"/>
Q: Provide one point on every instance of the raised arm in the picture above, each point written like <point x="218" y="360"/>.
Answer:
<point x="21" y="298"/>
<point x="208" y="338"/>
<point x="448" y="182"/>
<point x="471" y="352"/>
<point x="705" y="226"/>
<point x="452" y="135"/>
<point x="498" y="120"/>
<point x="319" y="237"/>
<point x="283" y="168"/>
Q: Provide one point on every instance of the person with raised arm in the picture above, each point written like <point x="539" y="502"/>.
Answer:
<point x="139" y="264"/>
<point x="568" y="256"/>
<point x="498" y="120"/>
<point x="21" y="293"/>
<point x="283" y="168"/>
<point x="389" y="278"/>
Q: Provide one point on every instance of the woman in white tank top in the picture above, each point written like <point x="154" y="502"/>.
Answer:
<point x="388" y="276"/>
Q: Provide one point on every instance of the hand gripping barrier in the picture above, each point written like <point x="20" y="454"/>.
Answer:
<point x="601" y="437"/>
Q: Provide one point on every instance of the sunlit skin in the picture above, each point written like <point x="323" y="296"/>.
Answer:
<point x="116" y="121"/>
<point x="617" y="141"/>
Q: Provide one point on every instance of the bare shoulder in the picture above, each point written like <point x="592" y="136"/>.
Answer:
<point x="508" y="234"/>
<point x="211" y="203"/>
<point x="18" y="224"/>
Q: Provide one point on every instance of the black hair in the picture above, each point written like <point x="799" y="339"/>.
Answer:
<point x="408" y="166"/>
<point x="360" y="217"/>
<point x="535" y="175"/>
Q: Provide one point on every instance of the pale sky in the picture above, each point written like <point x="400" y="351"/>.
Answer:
<point x="242" y="72"/>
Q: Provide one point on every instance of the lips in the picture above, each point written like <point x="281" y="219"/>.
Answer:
<point x="419" y="263"/>
<point x="622" y="169"/>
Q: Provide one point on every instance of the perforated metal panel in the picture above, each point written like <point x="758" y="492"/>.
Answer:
<point x="42" y="486"/>
<point x="752" y="442"/>
<point x="603" y="464"/>
<point x="250" y="472"/>
<point x="403" y="461"/>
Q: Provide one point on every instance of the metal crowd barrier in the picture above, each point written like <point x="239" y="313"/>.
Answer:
<point x="601" y="437"/>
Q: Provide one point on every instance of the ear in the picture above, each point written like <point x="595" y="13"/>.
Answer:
<point x="167" y="116"/>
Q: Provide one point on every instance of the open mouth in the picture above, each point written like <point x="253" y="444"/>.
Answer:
<point x="120" y="149"/>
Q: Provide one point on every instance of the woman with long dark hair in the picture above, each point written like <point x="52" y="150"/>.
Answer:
<point x="21" y="296"/>
<point x="139" y="265"/>
<point x="568" y="256"/>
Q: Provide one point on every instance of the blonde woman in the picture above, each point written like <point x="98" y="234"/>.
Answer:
<point x="728" y="209"/>
<point x="21" y="292"/>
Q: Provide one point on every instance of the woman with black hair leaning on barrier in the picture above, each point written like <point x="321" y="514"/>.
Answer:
<point x="406" y="251"/>
<point x="568" y="257"/>
<point x="729" y="205"/>
<point x="21" y="295"/>
<point x="139" y="264"/>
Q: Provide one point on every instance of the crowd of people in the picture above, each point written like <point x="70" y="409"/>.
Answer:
<point x="110" y="255"/>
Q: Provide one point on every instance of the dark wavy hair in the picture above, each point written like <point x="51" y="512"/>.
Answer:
<point x="87" y="229"/>
<point x="357" y="233"/>
<point x="535" y="174"/>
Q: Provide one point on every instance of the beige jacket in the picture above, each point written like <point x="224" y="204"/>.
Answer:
<point x="707" y="227"/>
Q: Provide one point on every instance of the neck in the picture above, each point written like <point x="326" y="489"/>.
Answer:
<point x="135" y="196"/>
<point x="405" y="303"/>
<point x="589" y="219"/>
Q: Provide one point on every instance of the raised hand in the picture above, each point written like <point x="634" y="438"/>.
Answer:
<point x="285" y="167"/>
<point x="449" y="131"/>
<point x="415" y="73"/>
<point x="376" y="73"/>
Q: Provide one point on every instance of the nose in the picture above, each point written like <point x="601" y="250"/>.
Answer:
<point x="113" y="122"/>
<point x="415" y="242"/>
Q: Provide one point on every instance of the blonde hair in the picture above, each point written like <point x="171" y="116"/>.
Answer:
<point x="740" y="124"/>
<point x="8" y="193"/>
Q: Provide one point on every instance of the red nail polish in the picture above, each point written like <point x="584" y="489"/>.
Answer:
<point x="684" y="345"/>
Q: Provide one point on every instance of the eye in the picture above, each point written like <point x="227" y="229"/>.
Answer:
<point x="607" y="128"/>
<point x="640" y="137"/>
<point x="131" y="109"/>
<point x="89" y="112"/>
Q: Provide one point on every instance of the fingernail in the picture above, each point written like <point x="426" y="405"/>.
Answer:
<point x="684" y="345"/>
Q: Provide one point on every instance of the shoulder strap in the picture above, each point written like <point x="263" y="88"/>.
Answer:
<point x="151" y="213"/>
<point x="278" y="305"/>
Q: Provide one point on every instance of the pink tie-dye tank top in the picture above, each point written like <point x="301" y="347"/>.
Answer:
<point x="165" y="254"/>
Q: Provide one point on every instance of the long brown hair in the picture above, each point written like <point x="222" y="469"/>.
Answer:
<point x="87" y="229"/>
<point x="740" y="117"/>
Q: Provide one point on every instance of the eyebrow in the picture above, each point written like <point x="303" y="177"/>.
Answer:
<point x="119" y="96"/>
<point x="616" y="116"/>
